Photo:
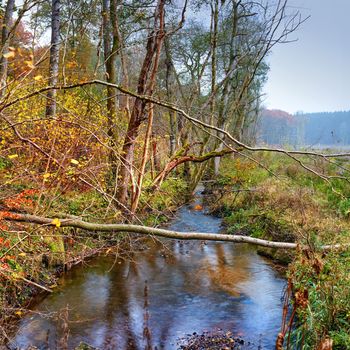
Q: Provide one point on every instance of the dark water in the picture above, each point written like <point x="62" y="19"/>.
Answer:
<point x="161" y="295"/>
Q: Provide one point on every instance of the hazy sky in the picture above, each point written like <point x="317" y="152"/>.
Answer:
<point x="313" y="74"/>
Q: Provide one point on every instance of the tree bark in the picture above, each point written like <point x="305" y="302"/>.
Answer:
<point x="137" y="194"/>
<point x="169" y="69"/>
<point x="51" y="105"/>
<point x="110" y="35"/>
<point x="5" y="33"/>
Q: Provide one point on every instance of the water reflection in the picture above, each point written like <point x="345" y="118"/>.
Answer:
<point x="156" y="298"/>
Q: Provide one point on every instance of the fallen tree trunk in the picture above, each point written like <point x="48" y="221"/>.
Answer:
<point x="145" y="230"/>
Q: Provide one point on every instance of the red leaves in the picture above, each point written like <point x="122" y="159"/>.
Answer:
<point x="7" y="215"/>
<point x="4" y="243"/>
<point x="20" y="201"/>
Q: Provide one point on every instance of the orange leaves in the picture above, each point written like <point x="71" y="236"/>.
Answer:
<point x="72" y="64"/>
<point x="198" y="207"/>
<point x="326" y="344"/>
<point x="22" y="200"/>
<point x="7" y="215"/>
<point x="4" y="242"/>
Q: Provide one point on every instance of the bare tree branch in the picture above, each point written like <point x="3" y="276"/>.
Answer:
<point x="173" y="107"/>
<point x="151" y="231"/>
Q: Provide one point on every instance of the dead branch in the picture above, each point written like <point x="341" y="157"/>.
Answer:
<point x="4" y="272"/>
<point x="152" y="231"/>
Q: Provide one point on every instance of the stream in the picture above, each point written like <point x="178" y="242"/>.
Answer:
<point x="164" y="293"/>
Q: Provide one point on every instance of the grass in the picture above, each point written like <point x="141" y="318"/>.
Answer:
<point x="296" y="206"/>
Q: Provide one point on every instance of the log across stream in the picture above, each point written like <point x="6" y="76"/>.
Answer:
<point x="161" y="296"/>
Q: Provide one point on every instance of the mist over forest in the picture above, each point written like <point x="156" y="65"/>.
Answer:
<point x="319" y="130"/>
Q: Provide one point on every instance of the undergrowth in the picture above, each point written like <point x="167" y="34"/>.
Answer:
<point x="289" y="204"/>
<point x="33" y="255"/>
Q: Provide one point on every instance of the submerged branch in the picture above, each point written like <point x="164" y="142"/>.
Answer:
<point x="144" y="230"/>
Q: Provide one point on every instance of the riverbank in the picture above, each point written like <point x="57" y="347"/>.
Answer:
<point x="33" y="258"/>
<point x="290" y="204"/>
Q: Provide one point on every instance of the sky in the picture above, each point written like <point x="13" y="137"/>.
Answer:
<point x="313" y="73"/>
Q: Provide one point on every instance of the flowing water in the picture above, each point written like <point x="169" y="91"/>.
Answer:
<point x="163" y="293"/>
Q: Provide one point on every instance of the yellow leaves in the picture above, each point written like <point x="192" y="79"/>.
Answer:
<point x="74" y="161"/>
<point x="56" y="222"/>
<point x="16" y="275"/>
<point x="30" y="64"/>
<point x="19" y="313"/>
<point x="12" y="156"/>
<point x="9" y="54"/>
<point x="46" y="176"/>
<point x="22" y="254"/>
<point x="72" y="64"/>
<point x="38" y="78"/>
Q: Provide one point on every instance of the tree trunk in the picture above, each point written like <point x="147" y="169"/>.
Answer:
<point x="54" y="58"/>
<point x="110" y="35"/>
<point x="138" y="188"/>
<point x="5" y="44"/>
<point x="169" y="88"/>
<point x="145" y="86"/>
<point x="227" y="89"/>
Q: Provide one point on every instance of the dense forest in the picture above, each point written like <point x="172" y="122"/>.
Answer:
<point x="326" y="129"/>
<point x="112" y="112"/>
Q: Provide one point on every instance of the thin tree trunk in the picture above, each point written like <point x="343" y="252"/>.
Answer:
<point x="51" y="104"/>
<point x="110" y="35"/>
<point x="5" y="45"/>
<point x="146" y="85"/>
<point x="214" y="34"/>
<point x="137" y="194"/>
<point x="227" y="89"/>
<point x="172" y="115"/>
<point x="155" y="153"/>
